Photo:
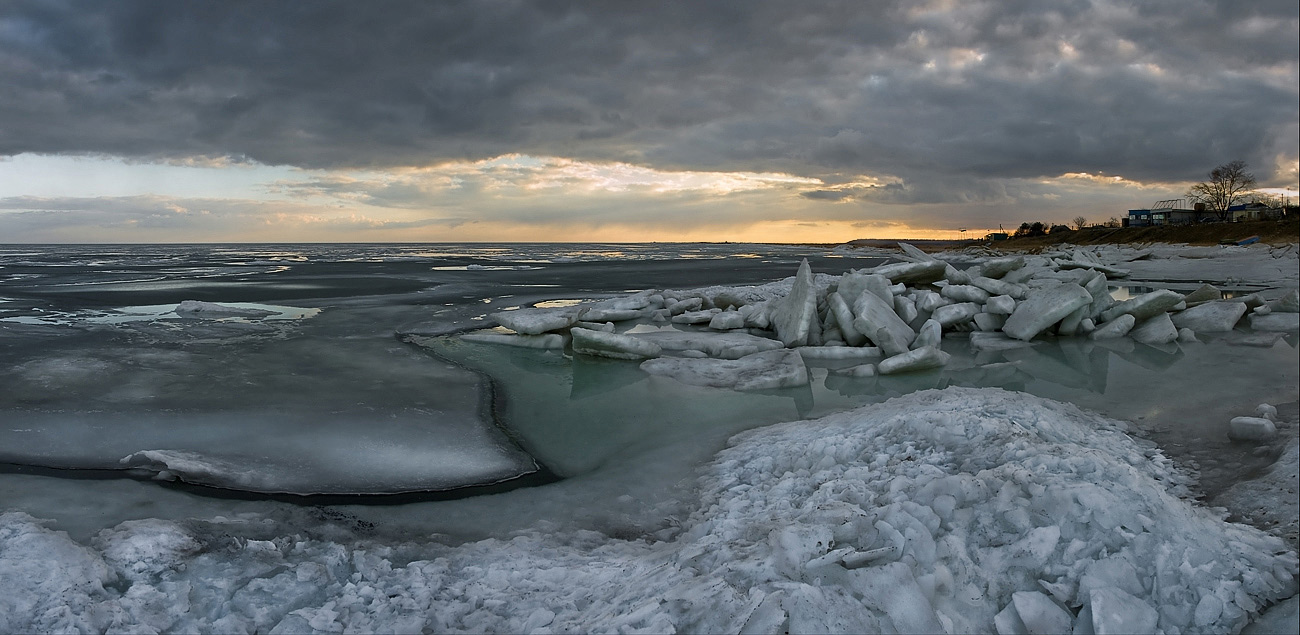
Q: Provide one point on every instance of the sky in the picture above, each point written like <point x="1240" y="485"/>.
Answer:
<point x="143" y="121"/>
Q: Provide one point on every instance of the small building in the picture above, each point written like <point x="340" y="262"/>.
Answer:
<point x="1168" y="212"/>
<point x="996" y="236"/>
<point x="1254" y="211"/>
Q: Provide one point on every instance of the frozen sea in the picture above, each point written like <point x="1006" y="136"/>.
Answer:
<point x="289" y="438"/>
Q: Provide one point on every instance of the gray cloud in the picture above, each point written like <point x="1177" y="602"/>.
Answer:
<point x="947" y="103"/>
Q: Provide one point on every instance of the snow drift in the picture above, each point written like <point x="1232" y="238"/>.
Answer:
<point x="953" y="510"/>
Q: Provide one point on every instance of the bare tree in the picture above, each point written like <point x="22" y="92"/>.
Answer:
<point x="1080" y="222"/>
<point x="1228" y="184"/>
<point x="1113" y="222"/>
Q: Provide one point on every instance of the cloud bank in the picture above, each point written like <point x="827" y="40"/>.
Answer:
<point x="886" y="103"/>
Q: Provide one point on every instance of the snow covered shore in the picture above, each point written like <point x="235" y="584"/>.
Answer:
<point x="941" y="511"/>
<point x="960" y="509"/>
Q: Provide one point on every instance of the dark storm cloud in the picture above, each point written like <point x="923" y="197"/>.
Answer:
<point x="934" y="97"/>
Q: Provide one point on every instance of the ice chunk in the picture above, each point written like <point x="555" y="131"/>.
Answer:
<point x="612" y="345"/>
<point x="1277" y="322"/>
<point x="913" y="272"/>
<point x="546" y="340"/>
<point x="1118" y="327"/>
<point x="844" y="318"/>
<point x="930" y="334"/>
<point x="905" y="307"/>
<point x="954" y="314"/>
<point x="538" y="321"/>
<point x="614" y="315"/>
<point x="876" y="319"/>
<point x="727" y="320"/>
<point x="1251" y="429"/>
<point x="1144" y="306"/>
<point x="997" y="267"/>
<point x="928" y="301"/>
<point x="729" y="345"/>
<point x="607" y="327"/>
<point x="1000" y="304"/>
<point x="1210" y="317"/>
<point x="1186" y="335"/>
<point x="695" y="317"/>
<point x="200" y="309"/>
<point x="1043" y="308"/>
<point x="682" y="306"/>
<point x="990" y="321"/>
<point x="1115" y="612"/>
<point x="792" y="316"/>
<point x="1204" y="293"/>
<point x="919" y="359"/>
<point x="1155" y="330"/>
<point x="956" y="276"/>
<point x="964" y="293"/>
<point x="1070" y="323"/>
<point x="915" y="254"/>
<point x="759" y="371"/>
<point x="1040" y="614"/>
<point x="998" y="287"/>
<point x="1288" y="303"/>
<point x="1267" y="411"/>
<point x="838" y="352"/>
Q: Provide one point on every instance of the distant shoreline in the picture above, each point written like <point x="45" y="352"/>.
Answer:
<point x="1271" y="232"/>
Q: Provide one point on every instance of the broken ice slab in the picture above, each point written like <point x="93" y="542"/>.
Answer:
<point x="913" y="272"/>
<point x="1145" y="305"/>
<point x="538" y="321"/>
<point x="954" y="314"/>
<point x="1112" y="611"/>
<point x="200" y="309"/>
<point x="1279" y="322"/>
<point x="695" y="317"/>
<point x="792" y="316"/>
<point x="553" y="341"/>
<point x="964" y="293"/>
<point x="1158" y="329"/>
<point x="1043" y="308"/>
<point x="730" y="345"/>
<point x="844" y="319"/>
<point x="760" y="371"/>
<point x="876" y="319"/>
<point x="1288" y="303"/>
<point x="1210" y="317"/>
<point x="1118" y="327"/>
<point x="1204" y="293"/>
<point x="999" y="287"/>
<point x="612" y="345"/>
<point x="997" y="267"/>
<point x="919" y="359"/>
<point x="727" y="320"/>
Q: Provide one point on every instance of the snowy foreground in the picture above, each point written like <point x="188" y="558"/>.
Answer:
<point x="957" y="510"/>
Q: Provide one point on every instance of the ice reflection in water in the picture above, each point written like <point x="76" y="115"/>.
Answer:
<point x="578" y="414"/>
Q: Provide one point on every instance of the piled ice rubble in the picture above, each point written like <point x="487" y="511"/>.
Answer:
<point x="898" y="312"/>
<point x="959" y="510"/>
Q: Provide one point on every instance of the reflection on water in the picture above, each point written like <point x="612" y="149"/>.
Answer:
<point x="577" y="413"/>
